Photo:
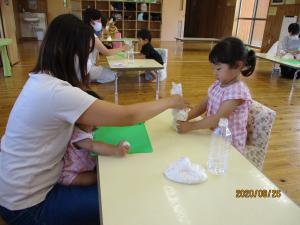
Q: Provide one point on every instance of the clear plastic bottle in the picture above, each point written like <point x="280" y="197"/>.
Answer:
<point x="219" y="149"/>
<point x="130" y="56"/>
<point x="130" y="52"/>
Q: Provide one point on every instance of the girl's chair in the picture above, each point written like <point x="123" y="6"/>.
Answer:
<point x="260" y="121"/>
<point x="164" y="55"/>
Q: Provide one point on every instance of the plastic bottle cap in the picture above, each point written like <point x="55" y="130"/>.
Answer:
<point x="223" y="122"/>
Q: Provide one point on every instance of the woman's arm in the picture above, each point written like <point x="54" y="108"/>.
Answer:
<point x="102" y="113"/>
<point x="210" y="122"/>
<point x="198" y="109"/>
<point x="105" y="51"/>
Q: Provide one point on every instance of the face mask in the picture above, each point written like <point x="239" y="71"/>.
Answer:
<point x="294" y="37"/>
<point x="97" y="26"/>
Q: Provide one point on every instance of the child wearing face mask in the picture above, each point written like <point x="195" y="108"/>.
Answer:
<point x="93" y="18"/>
<point x="290" y="49"/>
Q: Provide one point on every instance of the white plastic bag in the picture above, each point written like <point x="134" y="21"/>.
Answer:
<point x="183" y="171"/>
<point x="178" y="114"/>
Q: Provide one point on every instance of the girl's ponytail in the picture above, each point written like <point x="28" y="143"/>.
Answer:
<point x="250" y="63"/>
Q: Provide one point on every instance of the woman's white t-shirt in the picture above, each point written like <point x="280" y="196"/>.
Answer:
<point x="38" y="130"/>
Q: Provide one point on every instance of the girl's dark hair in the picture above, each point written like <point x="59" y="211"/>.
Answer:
<point x="91" y="14"/>
<point x="67" y="37"/>
<point x="231" y="50"/>
<point x="294" y="28"/>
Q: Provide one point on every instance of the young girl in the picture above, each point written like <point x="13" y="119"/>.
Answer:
<point x="228" y="97"/>
<point x="79" y="166"/>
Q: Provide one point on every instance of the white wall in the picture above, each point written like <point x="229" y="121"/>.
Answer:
<point x="173" y="14"/>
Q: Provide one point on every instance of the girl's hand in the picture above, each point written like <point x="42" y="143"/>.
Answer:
<point x="178" y="102"/>
<point x="122" y="149"/>
<point x="294" y="52"/>
<point x="183" y="126"/>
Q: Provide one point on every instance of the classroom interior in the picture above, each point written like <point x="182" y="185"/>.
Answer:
<point x="257" y="22"/>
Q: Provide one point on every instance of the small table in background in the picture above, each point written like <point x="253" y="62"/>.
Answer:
<point x="290" y="63"/>
<point x="193" y="39"/>
<point x="119" y="63"/>
<point x="5" y="60"/>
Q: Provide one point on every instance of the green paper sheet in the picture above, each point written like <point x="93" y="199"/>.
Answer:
<point x="121" y="55"/>
<point x="293" y="61"/>
<point x="136" y="135"/>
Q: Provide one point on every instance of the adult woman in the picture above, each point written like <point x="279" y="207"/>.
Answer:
<point x="40" y="126"/>
<point x="92" y="17"/>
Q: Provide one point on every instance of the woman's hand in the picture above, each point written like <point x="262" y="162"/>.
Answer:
<point x="183" y="126"/>
<point x="178" y="102"/>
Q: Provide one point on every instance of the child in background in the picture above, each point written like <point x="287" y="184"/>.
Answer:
<point x="79" y="166"/>
<point x="290" y="49"/>
<point x="110" y="28"/>
<point x="291" y="43"/>
<point x="228" y="97"/>
<point x="148" y="52"/>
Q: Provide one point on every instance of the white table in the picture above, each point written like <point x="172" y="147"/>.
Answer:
<point x="135" y="192"/>
<point x="120" y="63"/>
<point x="279" y="60"/>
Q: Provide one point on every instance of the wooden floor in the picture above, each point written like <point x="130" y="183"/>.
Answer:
<point x="190" y="67"/>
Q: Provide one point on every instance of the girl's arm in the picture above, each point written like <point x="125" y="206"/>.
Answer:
<point x="210" y="122"/>
<point x="105" y="51"/>
<point x="102" y="148"/>
<point x="198" y="109"/>
<point x="102" y="113"/>
<point x="139" y="56"/>
<point x="295" y="52"/>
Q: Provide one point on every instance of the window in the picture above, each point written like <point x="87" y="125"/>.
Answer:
<point x="251" y="21"/>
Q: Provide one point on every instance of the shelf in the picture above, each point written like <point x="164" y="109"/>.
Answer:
<point x="127" y="13"/>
